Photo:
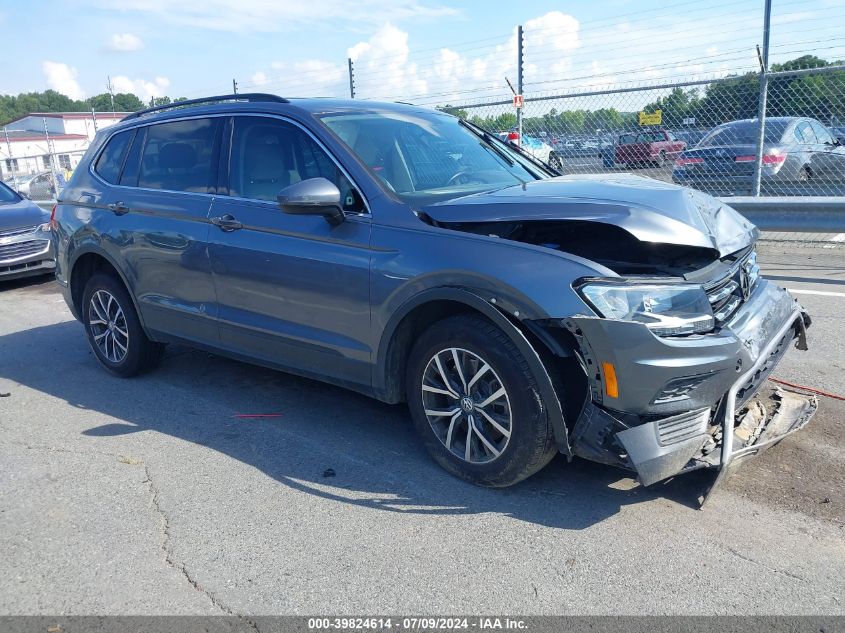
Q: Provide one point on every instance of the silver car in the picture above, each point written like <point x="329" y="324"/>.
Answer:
<point x="800" y="157"/>
<point x="25" y="244"/>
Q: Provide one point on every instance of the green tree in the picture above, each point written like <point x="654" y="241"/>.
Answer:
<point x="458" y="112"/>
<point x="15" y="106"/>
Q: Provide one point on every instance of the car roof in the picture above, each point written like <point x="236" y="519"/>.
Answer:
<point x="769" y="119"/>
<point x="318" y="106"/>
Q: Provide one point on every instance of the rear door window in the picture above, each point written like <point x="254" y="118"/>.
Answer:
<point x="110" y="161"/>
<point x="805" y="134"/>
<point x="180" y="156"/>
<point x="822" y="135"/>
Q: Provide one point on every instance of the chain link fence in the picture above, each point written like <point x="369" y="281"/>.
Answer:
<point x="701" y="133"/>
<point x="40" y="176"/>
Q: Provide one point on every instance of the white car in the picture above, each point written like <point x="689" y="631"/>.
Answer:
<point x="534" y="146"/>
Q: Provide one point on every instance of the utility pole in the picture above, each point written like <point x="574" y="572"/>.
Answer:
<point x="761" y="105"/>
<point x="110" y="88"/>
<point x="94" y="116"/>
<point x="52" y="158"/>
<point x="519" y="80"/>
<point x="11" y="160"/>
<point x="234" y="87"/>
<point x="351" y="78"/>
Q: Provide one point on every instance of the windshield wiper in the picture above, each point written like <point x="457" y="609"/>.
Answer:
<point x="494" y="142"/>
<point x="489" y="139"/>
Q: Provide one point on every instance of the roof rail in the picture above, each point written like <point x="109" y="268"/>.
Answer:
<point x="247" y="96"/>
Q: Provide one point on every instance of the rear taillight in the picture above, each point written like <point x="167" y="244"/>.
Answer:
<point x="53" y="217"/>
<point x="682" y="162"/>
<point x="513" y="137"/>
<point x="768" y="159"/>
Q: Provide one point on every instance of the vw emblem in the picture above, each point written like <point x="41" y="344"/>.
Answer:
<point x="467" y="404"/>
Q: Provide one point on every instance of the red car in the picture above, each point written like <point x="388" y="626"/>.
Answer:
<point x="652" y="146"/>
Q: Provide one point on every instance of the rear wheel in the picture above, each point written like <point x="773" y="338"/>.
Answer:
<point x="475" y="403"/>
<point x="804" y="175"/>
<point x="661" y="159"/>
<point x="555" y="162"/>
<point x="114" y="330"/>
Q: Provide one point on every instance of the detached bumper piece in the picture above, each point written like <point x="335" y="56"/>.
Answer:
<point x="747" y="420"/>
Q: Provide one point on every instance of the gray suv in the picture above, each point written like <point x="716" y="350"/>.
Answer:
<point x="408" y="255"/>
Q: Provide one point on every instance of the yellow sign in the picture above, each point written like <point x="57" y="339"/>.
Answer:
<point x="651" y="118"/>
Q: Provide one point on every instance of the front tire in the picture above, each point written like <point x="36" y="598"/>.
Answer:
<point x="475" y="403"/>
<point x="113" y="329"/>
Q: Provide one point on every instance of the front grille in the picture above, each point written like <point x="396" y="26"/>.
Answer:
<point x="23" y="230"/>
<point x="682" y="427"/>
<point x="729" y="292"/>
<point x="22" y="249"/>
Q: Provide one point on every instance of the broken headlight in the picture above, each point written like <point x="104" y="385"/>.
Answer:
<point x="667" y="310"/>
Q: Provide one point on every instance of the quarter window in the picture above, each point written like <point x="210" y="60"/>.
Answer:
<point x="178" y="156"/>
<point x="269" y="155"/>
<point x="111" y="160"/>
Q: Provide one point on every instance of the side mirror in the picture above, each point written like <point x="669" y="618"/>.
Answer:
<point x="315" y="196"/>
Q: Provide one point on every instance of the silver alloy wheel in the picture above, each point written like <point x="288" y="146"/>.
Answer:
<point x="466" y="405"/>
<point x="108" y="326"/>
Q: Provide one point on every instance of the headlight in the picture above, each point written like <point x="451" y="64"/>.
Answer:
<point x="43" y="227"/>
<point x="667" y="310"/>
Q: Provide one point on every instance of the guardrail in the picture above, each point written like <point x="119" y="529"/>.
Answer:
<point x="810" y="214"/>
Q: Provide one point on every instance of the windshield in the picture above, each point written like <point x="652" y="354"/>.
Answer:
<point x="426" y="157"/>
<point x="7" y="195"/>
<point x="744" y="133"/>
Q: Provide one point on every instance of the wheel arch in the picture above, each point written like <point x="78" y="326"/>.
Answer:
<point x="412" y="317"/>
<point x="88" y="263"/>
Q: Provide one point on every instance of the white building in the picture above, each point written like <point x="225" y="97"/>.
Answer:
<point x="44" y="141"/>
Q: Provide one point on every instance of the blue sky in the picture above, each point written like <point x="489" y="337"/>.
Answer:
<point x="423" y="50"/>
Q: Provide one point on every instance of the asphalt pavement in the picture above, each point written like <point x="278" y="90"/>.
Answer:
<point x="149" y="495"/>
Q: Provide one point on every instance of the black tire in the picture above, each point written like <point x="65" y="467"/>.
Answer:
<point x="805" y="175"/>
<point x="141" y="354"/>
<point x="530" y="445"/>
<point x="555" y="163"/>
<point x="661" y="159"/>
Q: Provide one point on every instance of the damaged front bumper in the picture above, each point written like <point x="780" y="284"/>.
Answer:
<point x="694" y="402"/>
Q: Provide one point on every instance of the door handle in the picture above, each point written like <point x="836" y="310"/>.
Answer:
<point x="226" y="223"/>
<point x="118" y="208"/>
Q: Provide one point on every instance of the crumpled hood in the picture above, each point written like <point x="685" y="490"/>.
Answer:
<point x="651" y="210"/>
<point x="17" y="215"/>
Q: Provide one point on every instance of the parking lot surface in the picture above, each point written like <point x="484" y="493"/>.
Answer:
<point x="149" y="495"/>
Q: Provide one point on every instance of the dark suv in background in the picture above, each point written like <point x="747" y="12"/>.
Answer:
<point x="407" y="254"/>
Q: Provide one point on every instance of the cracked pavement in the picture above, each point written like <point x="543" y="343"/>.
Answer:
<point x="146" y="496"/>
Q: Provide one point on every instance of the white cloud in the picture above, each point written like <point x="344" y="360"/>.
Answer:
<point x="382" y="65"/>
<point x="385" y="68"/>
<point x="124" y="43"/>
<point x="278" y="15"/>
<point x="62" y="78"/>
<point x="143" y="88"/>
